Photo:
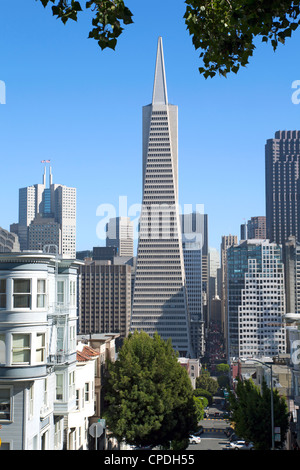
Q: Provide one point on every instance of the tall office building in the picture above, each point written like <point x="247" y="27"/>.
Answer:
<point x="282" y="156"/>
<point x="119" y="233"/>
<point x="160" y="297"/>
<point x="105" y="297"/>
<point x="292" y="275"/>
<point x="47" y="216"/>
<point x="254" y="228"/>
<point x="227" y="241"/>
<point x="8" y="241"/>
<point x="192" y="227"/>
<point x="256" y="299"/>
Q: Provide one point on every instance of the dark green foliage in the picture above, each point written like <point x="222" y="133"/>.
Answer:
<point x="149" y="394"/>
<point x="251" y="413"/>
<point x="226" y="29"/>
<point x="108" y="15"/>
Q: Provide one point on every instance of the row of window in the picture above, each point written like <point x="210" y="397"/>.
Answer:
<point x="22" y="293"/>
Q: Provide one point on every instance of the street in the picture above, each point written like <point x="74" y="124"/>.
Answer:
<point x="213" y="437"/>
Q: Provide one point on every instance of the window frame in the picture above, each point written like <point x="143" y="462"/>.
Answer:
<point x="3" y="294"/>
<point x="19" y="295"/>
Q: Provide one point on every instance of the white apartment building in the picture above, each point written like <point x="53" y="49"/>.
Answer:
<point x="38" y="316"/>
<point x="260" y="328"/>
<point x="78" y="420"/>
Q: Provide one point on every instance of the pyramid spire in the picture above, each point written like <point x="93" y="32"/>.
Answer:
<point x="160" y="95"/>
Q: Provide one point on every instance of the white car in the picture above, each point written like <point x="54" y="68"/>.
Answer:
<point x="241" y="445"/>
<point x="195" y="440"/>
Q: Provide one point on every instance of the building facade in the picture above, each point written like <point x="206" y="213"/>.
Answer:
<point x="192" y="226"/>
<point x="282" y="156"/>
<point x="160" y="297"/>
<point x="119" y="234"/>
<point x="47" y="216"/>
<point x="8" y="241"/>
<point x="104" y="297"/>
<point x="256" y="300"/>
<point x="254" y="228"/>
<point x="37" y="350"/>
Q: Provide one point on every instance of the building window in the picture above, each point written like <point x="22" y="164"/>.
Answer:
<point x="71" y="384"/>
<point x="59" y="386"/>
<point x="5" y="404"/>
<point x="40" y="347"/>
<point x="60" y="292"/>
<point x="20" y="348"/>
<point x="2" y="350"/>
<point x="87" y="392"/>
<point x="2" y="293"/>
<point x="41" y="293"/>
<point x="72" y="293"/>
<point x="22" y="295"/>
<point x="31" y="403"/>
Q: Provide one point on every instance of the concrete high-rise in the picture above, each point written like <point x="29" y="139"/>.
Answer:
<point x="256" y="299"/>
<point x="227" y="241"/>
<point x="282" y="156"/>
<point x="160" y="297"/>
<point x="47" y="216"/>
<point x="192" y="227"/>
<point x="119" y="234"/>
<point x="254" y="228"/>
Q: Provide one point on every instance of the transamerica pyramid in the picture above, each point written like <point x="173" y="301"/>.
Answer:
<point x="160" y="299"/>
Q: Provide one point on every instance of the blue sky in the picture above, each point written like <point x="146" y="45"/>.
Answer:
<point x="80" y="107"/>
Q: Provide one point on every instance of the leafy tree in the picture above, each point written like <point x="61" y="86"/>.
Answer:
<point x="222" y="368"/>
<point x="107" y="20"/>
<point x="223" y="381"/>
<point x="200" y="392"/>
<point x="149" y="394"/>
<point x="251" y="413"/>
<point x="207" y="383"/>
<point x="200" y="405"/>
<point x="225" y="30"/>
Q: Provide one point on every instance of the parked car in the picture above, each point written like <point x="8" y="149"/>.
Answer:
<point x="195" y="440"/>
<point x="241" y="445"/>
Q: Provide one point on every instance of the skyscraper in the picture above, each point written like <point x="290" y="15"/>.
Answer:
<point x="160" y="297"/>
<point x="192" y="227"/>
<point x="254" y="228"/>
<point x="47" y="216"/>
<point x="282" y="156"/>
<point x="119" y="234"/>
<point x="256" y="299"/>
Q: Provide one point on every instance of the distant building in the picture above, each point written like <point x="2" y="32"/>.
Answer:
<point x="254" y="228"/>
<point x="256" y="299"/>
<point x="282" y="157"/>
<point x="192" y="241"/>
<point x="105" y="297"/>
<point x="8" y="241"/>
<point x="119" y="234"/>
<point x="160" y="295"/>
<point x="47" y="216"/>
<point x="227" y="241"/>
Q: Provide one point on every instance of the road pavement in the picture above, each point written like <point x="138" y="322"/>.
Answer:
<point x="213" y="436"/>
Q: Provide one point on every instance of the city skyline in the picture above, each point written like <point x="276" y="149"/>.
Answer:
<point x="56" y="109"/>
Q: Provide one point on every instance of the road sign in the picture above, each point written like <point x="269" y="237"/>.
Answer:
<point x="96" y="430"/>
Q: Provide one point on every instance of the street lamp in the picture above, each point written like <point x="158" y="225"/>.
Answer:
<point x="269" y="365"/>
